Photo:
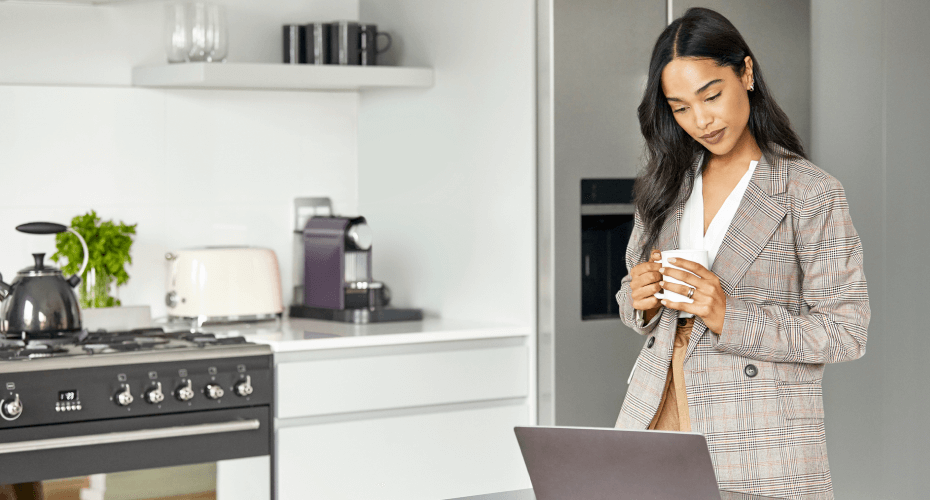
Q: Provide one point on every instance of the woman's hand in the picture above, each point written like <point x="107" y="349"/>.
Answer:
<point x="710" y="303"/>
<point x="644" y="283"/>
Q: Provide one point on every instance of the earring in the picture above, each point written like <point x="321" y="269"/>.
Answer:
<point x="752" y="85"/>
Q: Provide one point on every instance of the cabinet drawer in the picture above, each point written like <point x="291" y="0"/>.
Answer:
<point x="364" y="383"/>
<point x="420" y="456"/>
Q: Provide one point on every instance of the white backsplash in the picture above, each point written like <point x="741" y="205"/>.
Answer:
<point x="191" y="167"/>
<point x="87" y="45"/>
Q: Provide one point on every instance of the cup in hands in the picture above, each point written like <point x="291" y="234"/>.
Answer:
<point x="698" y="256"/>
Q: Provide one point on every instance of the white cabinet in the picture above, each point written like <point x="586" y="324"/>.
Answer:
<point x="402" y="379"/>
<point x="446" y="453"/>
<point x="426" y="419"/>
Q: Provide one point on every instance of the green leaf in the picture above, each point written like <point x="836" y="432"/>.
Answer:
<point x="109" y="246"/>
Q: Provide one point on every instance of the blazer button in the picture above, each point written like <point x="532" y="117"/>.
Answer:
<point x="751" y="371"/>
<point x="652" y="340"/>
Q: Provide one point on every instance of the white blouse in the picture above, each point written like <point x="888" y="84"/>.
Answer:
<point x="691" y="230"/>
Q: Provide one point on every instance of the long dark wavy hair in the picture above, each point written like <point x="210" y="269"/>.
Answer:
<point x="670" y="151"/>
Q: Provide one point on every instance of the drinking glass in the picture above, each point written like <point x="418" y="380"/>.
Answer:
<point x="201" y="33"/>
<point x="177" y="32"/>
<point x="217" y="33"/>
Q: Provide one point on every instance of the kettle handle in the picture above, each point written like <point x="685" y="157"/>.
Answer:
<point x="86" y="255"/>
<point x="42" y="228"/>
<point x="55" y="228"/>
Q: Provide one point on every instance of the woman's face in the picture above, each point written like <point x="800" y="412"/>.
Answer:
<point x="709" y="102"/>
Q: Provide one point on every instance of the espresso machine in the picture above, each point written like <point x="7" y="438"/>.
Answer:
<point x="337" y="283"/>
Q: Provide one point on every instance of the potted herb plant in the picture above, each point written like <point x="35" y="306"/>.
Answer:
<point x="108" y="244"/>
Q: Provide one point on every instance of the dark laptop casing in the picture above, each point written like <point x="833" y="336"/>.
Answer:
<point x="581" y="463"/>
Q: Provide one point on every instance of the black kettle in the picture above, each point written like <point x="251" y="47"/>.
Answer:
<point x="40" y="303"/>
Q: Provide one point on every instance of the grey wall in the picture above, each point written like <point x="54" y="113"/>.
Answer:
<point x="778" y="33"/>
<point x="906" y="407"/>
<point x="847" y="92"/>
<point x="600" y="57"/>
<point x="869" y="128"/>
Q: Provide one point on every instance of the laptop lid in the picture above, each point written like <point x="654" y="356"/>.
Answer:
<point x="582" y="463"/>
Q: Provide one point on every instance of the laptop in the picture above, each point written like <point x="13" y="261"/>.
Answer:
<point x="584" y="463"/>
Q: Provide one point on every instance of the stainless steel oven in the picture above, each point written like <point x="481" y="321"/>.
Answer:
<point x="119" y="402"/>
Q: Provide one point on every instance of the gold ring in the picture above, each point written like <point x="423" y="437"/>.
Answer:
<point x="691" y="293"/>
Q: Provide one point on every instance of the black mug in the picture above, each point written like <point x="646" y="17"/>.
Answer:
<point x="317" y="46"/>
<point x="344" y="43"/>
<point x="295" y="44"/>
<point x="368" y="44"/>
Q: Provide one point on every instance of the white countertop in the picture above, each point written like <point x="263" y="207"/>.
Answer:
<point x="295" y="334"/>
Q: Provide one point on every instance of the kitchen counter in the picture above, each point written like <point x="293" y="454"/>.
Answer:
<point x="388" y="398"/>
<point x="296" y="334"/>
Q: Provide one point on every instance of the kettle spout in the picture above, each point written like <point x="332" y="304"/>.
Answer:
<point x="4" y="288"/>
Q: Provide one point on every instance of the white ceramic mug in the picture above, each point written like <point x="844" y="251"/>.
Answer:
<point x="699" y="256"/>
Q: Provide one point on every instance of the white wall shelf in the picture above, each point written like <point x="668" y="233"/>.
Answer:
<point x="280" y="76"/>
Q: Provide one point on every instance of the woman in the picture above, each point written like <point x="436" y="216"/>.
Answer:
<point x="785" y="292"/>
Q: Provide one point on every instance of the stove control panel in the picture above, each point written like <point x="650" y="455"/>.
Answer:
<point x="84" y="393"/>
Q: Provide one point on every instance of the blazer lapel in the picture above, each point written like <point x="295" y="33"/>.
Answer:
<point x="760" y="212"/>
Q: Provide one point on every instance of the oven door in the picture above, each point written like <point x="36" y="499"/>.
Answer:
<point x="79" y="449"/>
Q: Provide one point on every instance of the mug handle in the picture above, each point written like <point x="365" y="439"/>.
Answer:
<point x="386" y="47"/>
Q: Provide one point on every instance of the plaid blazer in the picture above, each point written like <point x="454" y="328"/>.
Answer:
<point x="791" y="266"/>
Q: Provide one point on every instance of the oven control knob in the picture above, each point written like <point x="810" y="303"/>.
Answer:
<point x="123" y="397"/>
<point x="154" y="395"/>
<point x="185" y="392"/>
<point x="213" y="391"/>
<point x="243" y="388"/>
<point x="11" y="409"/>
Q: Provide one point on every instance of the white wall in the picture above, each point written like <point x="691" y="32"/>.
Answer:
<point x="447" y="174"/>
<point x="74" y="44"/>
<point x="191" y="167"/>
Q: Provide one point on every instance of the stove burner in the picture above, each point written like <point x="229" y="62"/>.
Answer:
<point x="104" y="342"/>
<point x="32" y="351"/>
<point x="55" y="338"/>
<point x="105" y="348"/>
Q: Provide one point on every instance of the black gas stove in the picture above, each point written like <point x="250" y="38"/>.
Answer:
<point x="103" y="342"/>
<point x="97" y="402"/>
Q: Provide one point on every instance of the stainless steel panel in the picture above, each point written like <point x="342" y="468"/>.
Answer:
<point x="599" y="54"/>
<point x="847" y="141"/>
<point x="903" y="336"/>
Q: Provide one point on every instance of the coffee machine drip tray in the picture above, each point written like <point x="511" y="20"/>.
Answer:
<point x="360" y="315"/>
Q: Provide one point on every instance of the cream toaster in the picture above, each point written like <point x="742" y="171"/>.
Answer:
<point x="224" y="284"/>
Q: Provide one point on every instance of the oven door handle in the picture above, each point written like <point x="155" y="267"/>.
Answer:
<point x="129" y="436"/>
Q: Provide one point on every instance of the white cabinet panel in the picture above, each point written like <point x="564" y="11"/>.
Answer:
<point x="244" y="479"/>
<point x="342" y="385"/>
<point x="426" y="456"/>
